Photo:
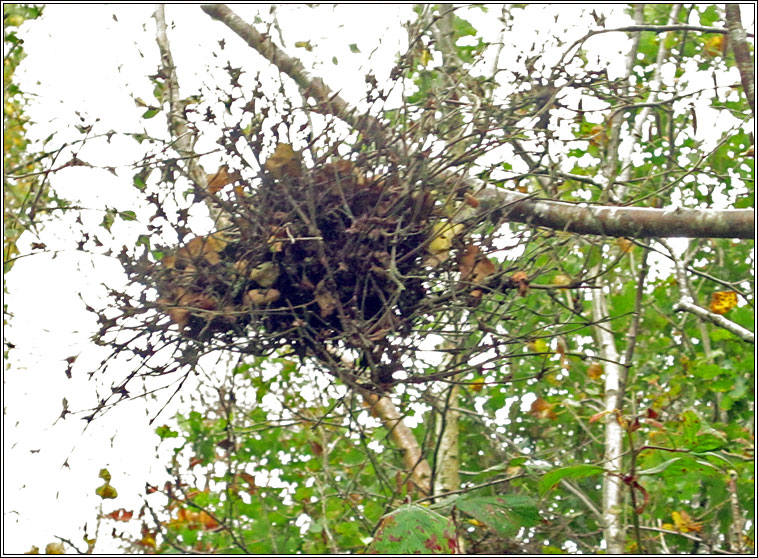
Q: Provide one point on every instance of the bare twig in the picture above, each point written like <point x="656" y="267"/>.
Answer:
<point x="581" y="219"/>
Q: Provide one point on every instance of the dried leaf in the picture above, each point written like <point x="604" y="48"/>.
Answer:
<point x="522" y="280"/>
<point x="597" y="416"/>
<point x="285" y="161"/>
<point x="595" y="371"/>
<point x="180" y="316"/>
<point x="250" y="480"/>
<point x="222" y="177"/>
<point x="325" y="300"/>
<point x="55" y="548"/>
<point x="262" y="297"/>
<point x="467" y="260"/>
<point x="542" y="409"/>
<point x="471" y="200"/>
<point x="120" y="515"/>
<point x="483" y="269"/>
<point x="265" y="274"/>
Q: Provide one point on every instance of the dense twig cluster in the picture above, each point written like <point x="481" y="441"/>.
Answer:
<point x="315" y="252"/>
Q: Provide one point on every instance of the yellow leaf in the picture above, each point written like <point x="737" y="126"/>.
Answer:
<point x="723" y="301"/>
<point x="107" y="492"/>
<point x="55" y="548"/>
<point x="595" y="371"/>
<point x="426" y="57"/>
<point x="265" y="274"/>
<point x="625" y="244"/>
<point x="443" y="233"/>
<point x="477" y="385"/>
<point x="714" y="46"/>
<point x="105" y="475"/>
<point x="684" y="523"/>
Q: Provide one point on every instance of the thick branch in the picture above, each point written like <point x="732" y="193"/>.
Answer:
<point x="184" y="138"/>
<point x="402" y="436"/>
<point x="738" y="40"/>
<point x="601" y="220"/>
<point x="636" y="222"/>
<point x="716" y="319"/>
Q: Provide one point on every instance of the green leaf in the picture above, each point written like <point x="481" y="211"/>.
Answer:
<point x="149" y="113"/>
<point x="166" y="432"/>
<point x="504" y="514"/>
<point x="708" y="442"/>
<point x="659" y="468"/>
<point x="108" y="219"/>
<point x="690" y="426"/>
<point x="127" y="215"/>
<point x="354" y="48"/>
<point x="413" y="529"/>
<point x="139" y="181"/>
<point x="549" y="480"/>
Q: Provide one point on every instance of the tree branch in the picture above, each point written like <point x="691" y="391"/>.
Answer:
<point x="687" y="303"/>
<point x="636" y="222"/>
<point x="717" y="319"/>
<point x="738" y="41"/>
<point x="600" y="220"/>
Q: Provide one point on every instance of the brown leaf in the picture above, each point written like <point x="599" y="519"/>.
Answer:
<point x="285" y="161"/>
<point x="179" y="316"/>
<point x="542" y="409"/>
<point x="595" y="371"/>
<point x="483" y="269"/>
<point x="316" y="449"/>
<point x="467" y="260"/>
<point x="250" y="480"/>
<point x="597" y="416"/>
<point x="325" y="300"/>
<point x="522" y="280"/>
<point x="207" y="247"/>
<point x="471" y="200"/>
<point x="222" y="177"/>
<point x="120" y="515"/>
<point x="262" y="297"/>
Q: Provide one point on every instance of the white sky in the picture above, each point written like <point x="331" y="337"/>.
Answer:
<point x="79" y="58"/>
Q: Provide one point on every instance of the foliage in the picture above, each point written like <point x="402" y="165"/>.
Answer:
<point x="25" y="192"/>
<point x="284" y="452"/>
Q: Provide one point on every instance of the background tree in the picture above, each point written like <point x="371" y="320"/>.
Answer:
<point x="455" y="294"/>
